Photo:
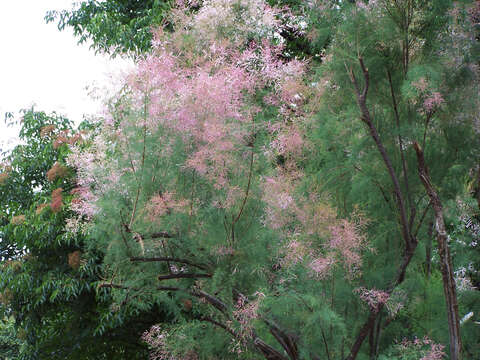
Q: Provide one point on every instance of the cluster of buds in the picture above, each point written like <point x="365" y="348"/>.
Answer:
<point x="64" y="138"/>
<point x="75" y="259"/>
<point x="56" y="203"/>
<point x="425" y="347"/>
<point x="57" y="171"/>
<point x="374" y="298"/>
<point x="47" y="131"/>
<point x="18" y="220"/>
<point x="4" y="173"/>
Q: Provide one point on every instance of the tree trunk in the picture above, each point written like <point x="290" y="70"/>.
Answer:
<point x="445" y="259"/>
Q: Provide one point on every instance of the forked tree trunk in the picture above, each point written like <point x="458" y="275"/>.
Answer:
<point x="445" y="259"/>
<point x="410" y="240"/>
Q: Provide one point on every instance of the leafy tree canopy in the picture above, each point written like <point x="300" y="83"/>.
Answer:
<point x="280" y="209"/>
<point x="248" y="195"/>
<point x="48" y="277"/>
<point x="113" y="26"/>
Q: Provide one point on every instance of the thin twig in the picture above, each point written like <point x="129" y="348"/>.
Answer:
<point x="167" y="259"/>
<point x="183" y="276"/>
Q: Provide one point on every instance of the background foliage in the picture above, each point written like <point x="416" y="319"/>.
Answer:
<point x="253" y="190"/>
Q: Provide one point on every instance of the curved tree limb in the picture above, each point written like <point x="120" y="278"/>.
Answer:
<point x="449" y="286"/>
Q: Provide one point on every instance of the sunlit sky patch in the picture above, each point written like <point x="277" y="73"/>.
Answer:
<point x="41" y="66"/>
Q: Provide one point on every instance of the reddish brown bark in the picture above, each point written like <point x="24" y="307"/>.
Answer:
<point x="409" y="239"/>
<point x="445" y="258"/>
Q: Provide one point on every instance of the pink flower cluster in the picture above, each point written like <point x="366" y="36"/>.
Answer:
<point x="369" y="5"/>
<point x="281" y="206"/>
<point x="426" y="347"/>
<point x="205" y="105"/>
<point x="84" y="202"/>
<point x="321" y="266"/>
<point x="314" y="233"/>
<point x="348" y="241"/>
<point x="296" y="251"/>
<point x="421" y="84"/>
<point x="374" y="298"/>
<point x="344" y="246"/>
<point x="246" y="311"/>
<point x="433" y="101"/>
<point x="163" y="204"/>
<point x="95" y="175"/>
<point x="396" y="302"/>
<point x="224" y="251"/>
<point x="265" y="60"/>
<point x="289" y="143"/>
<point x="156" y="339"/>
<point x="237" y="19"/>
<point x="199" y="92"/>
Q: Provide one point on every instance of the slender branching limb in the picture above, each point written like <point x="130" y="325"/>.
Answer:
<point x="183" y="276"/>
<point x="367" y="119"/>
<point x="409" y="240"/>
<point x="168" y="259"/>
<point x="446" y="267"/>
<point x="402" y="153"/>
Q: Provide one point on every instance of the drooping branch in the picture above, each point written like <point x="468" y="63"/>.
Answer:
<point x="445" y="259"/>
<point x="161" y="235"/>
<point x="287" y="341"/>
<point x="116" y="286"/>
<point x="168" y="259"/>
<point x="212" y="300"/>
<point x="183" y="276"/>
<point x="325" y="342"/>
<point x="220" y="325"/>
<point x="156" y="235"/>
<point x="245" y="198"/>
<point x="125" y="242"/>
<point x="269" y="352"/>
<point x="123" y="287"/>
<point x="132" y="218"/>
<point x="365" y="329"/>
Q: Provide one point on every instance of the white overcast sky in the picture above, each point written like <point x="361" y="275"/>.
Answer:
<point x="41" y="65"/>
